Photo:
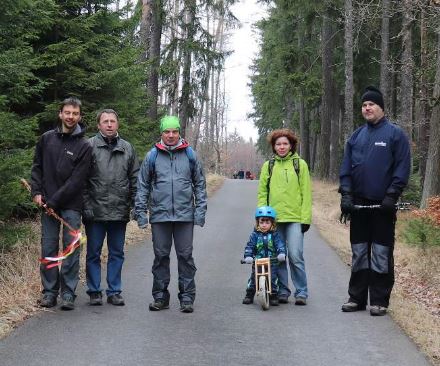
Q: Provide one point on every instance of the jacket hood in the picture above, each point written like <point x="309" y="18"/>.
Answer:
<point x="290" y="155"/>
<point x="79" y="131"/>
<point x="182" y="144"/>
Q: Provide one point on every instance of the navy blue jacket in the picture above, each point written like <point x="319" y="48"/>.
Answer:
<point x="263" y="245"/>
<point x="377" y="161"/>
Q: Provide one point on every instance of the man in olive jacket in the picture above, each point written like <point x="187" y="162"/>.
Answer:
<point x="172" y="186"/>
<point x="110" y="193"/>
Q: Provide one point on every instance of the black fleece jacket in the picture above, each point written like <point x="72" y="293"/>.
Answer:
<point x="60" y="168"/>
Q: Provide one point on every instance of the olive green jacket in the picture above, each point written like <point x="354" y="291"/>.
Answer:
<point x="111" y="186"/>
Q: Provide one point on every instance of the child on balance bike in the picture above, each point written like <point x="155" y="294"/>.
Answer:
<point x="264" y="242"/>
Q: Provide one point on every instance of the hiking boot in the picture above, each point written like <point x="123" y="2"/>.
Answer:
<point x="186" y="307"/>
<point x="95" y="299"/>
<point x="48" y="301"/>
<point x="376" y="310"/>
<point x="300" y="301"/>
<point x="283" y="299"/>
<point x="351" y="306"/>
<point x="273" y="300"/>
<point x="116" y="299"/>
<point x="68" y="302"/>
<point x="158" y="305"/>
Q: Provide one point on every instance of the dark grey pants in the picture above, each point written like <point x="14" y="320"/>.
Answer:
<point x="66" y="278"/>
<point x="164" y="233"/>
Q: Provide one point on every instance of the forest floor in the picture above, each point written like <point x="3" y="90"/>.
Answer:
<point x="415" y="301"/>
<point x="20" y="286"/>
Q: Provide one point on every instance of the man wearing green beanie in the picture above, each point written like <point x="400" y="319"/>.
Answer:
<point x="172" y="186"/>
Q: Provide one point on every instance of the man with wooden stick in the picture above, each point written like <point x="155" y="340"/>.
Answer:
<point x="59" y="172"/>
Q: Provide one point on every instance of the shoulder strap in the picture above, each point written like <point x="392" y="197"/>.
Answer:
<point x="192" y="159"/>
<point x="296" y="167"/>
<point x="270" y="168"/>
<point x="153" y="156"/>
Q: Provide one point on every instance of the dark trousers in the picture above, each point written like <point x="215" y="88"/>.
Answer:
<point x="64" y="279"/>
<point x="372" y="244"/>
<point x="164" y="233"/>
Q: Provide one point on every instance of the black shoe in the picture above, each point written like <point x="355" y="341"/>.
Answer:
<point x="95" y="299"/>
<point x="248" y="300"/>
<point x="186" y="307"/>
<point x="48" y="301"/>
<point x="351" y="306"/>
<point x="376" y="310"/>
<point x="68" y="302"/>
<point x="116" y="299"/>
<point x="283" y="299"/>
<point x="301" y="301"/>
<point x="273" y="300"/>
<point x="159" y="304"/>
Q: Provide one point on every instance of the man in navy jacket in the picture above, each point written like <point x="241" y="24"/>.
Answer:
<point x="374" y="171"/>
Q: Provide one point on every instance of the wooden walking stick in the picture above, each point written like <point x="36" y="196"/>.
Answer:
<point x="47" y="209"/>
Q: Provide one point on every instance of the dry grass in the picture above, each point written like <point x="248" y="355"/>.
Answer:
<point x="415" y="301"/>
<point x="20" y="285"/>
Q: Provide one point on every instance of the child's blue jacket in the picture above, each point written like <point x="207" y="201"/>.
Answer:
<point x="262" y="245"/>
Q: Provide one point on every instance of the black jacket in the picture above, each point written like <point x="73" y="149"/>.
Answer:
<point x="60" y="168"/>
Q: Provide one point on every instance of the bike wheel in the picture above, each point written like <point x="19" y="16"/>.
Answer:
<point x="262" y="295"/>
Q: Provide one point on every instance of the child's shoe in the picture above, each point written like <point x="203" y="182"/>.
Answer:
<point x="273" y="300"/>
<point x="249" y="298"/>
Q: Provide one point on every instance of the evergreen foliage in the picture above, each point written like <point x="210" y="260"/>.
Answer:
<point x="50" y="50"/>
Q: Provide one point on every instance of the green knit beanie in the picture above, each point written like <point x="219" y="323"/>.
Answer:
<point x="169" y="122"/>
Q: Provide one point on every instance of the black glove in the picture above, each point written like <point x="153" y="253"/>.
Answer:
<point x="389" y="204"/>
<point x="305" y="228"/>
<point x="346" y="203"/>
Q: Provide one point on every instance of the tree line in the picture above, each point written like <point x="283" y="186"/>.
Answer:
<point x="143" y="58"/>
<point x="316" y="59"/>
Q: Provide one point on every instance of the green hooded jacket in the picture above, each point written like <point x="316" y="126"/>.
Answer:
<point x="289" y="196"/>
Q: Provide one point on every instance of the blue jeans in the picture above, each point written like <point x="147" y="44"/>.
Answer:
<point x="96" y="232"/>
<point x="64" y="279"/>
<point x="294" y="238"/>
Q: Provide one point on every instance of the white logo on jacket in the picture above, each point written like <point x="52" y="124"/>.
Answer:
<point x="380" y="143"/>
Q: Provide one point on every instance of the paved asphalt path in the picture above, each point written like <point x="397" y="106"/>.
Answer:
<point x="221" y="331"/>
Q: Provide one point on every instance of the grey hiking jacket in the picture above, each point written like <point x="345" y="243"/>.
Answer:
<point x="111" y="186"/>
<point x="171" y="192"/>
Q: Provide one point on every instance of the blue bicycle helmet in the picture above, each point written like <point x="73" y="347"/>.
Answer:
<point x="265" y="211"/>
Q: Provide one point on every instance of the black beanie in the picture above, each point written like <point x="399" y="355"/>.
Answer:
<point x="374" y="95"/>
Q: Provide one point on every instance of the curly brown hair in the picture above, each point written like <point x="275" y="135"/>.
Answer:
<point x="283" y="132"/>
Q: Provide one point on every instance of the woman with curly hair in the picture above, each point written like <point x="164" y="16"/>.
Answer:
<point x="285" y="185"/>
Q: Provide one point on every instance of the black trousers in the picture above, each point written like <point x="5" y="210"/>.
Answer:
<point x="372" y="244"/>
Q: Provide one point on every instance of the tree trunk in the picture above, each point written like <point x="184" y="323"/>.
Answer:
<point x="406" y="82"/>
<point x="304" y="147"/>
<point x="423" y="125"/>
<point x="154" y="56"/>
<point x="185" y="102"/>
<point x="384" y="53"/>
<point x="431" y="186"/>
<point x="349" y="90"/>
<point x="145" y="28"/>
<point x="323" y="161"/>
